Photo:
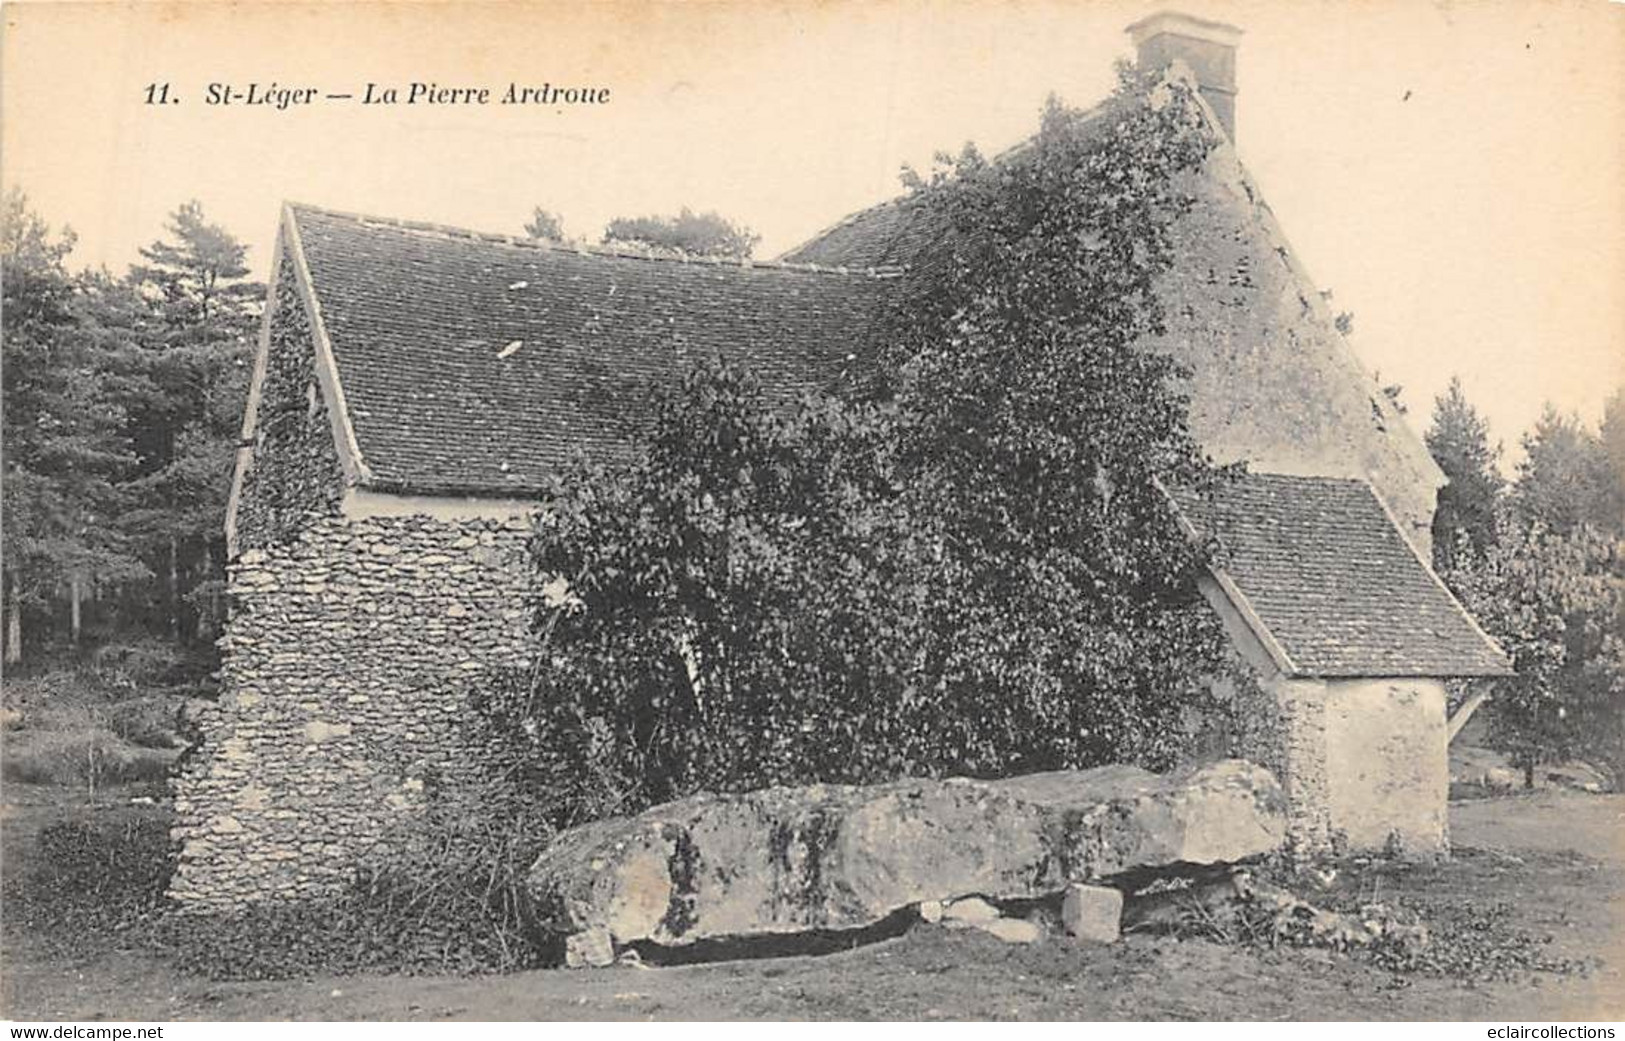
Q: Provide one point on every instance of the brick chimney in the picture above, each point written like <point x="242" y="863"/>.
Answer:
<point x="1208" y="48"/>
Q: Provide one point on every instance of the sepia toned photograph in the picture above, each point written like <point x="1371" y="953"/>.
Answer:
<point x="963" y="510"/>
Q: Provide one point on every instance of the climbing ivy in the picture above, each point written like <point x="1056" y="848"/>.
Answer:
<point x="964" y="563"/>
<point x="1038" y="430"/>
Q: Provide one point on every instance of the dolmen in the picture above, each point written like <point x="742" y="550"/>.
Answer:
<point x="832" y="858"/>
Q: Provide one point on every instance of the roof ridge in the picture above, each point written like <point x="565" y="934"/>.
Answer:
<point x="1275" y="475"/>
<point x="851" y="218"/>
<point x="450" y="231"/>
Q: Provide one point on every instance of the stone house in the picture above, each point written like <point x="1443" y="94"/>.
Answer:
<point x="415" y="384"/>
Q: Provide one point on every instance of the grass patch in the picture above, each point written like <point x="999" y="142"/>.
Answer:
<point x="87" y="757"/>
<point x="72" y="736"/>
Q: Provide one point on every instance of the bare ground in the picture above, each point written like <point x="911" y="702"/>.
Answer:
<point x="1557" y="858"/>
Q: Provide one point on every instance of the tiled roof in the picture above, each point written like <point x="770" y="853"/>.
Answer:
<point x="474" y="364"/>
<point x="893" y="233"/>
<point x="1323" y="568"/>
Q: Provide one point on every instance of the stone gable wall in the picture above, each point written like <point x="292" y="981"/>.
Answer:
<point x="295" y="469"/>
<point x="1272" y="382"/>
<point x="348" y="654"/>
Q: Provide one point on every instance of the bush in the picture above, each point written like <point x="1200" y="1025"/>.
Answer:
<point x="149" y="722"/>
<point x="144" y="663"/>
<point x="444" y="893"/>
<point x="88" y="883"/>
<point x="448" y="892"/>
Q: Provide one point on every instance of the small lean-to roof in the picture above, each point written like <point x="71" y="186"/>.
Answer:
<point x="1318" y="564"/>
<point x="474" y="364"/>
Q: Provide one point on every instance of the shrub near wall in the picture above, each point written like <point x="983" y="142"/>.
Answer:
<point x="87" y="884"/>
<point x="449" y="898"/>
<point x="443" y="892"/>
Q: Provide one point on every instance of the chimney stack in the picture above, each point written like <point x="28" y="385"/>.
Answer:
<point x="1207" y="48"/>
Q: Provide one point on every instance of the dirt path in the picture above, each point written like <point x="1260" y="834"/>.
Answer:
<point x="1557" y="858"/>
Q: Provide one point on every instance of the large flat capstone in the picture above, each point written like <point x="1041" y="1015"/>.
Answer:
<point x="826" y="857"/>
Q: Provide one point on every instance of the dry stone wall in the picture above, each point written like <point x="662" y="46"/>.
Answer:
<point x="1299" y="708"/>
<point x="348" y="655"/>
<point x="295" y="470"/>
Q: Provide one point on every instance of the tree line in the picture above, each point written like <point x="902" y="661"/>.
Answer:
<point x="123" y="400"/>
<point x="1540" y="562"/>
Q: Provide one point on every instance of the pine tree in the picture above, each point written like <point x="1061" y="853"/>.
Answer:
<point x="195" y="359"/>
<point x="1563" y="480"/>
<point x="65" y="445"/>
<point x="1460" y="444"/>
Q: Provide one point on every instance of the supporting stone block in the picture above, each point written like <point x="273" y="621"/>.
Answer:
<point x="1092" y="913"/>
<point x="589" y="949"/>
<point x="970" y="910"/>
<point x="1011" y="930"/>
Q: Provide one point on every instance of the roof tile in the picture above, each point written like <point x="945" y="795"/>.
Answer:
<point x="474" y="364"/>
<point x="1335" y="583"/>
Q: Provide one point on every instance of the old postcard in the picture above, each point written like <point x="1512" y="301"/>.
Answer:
<point x="904" y="510"/>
